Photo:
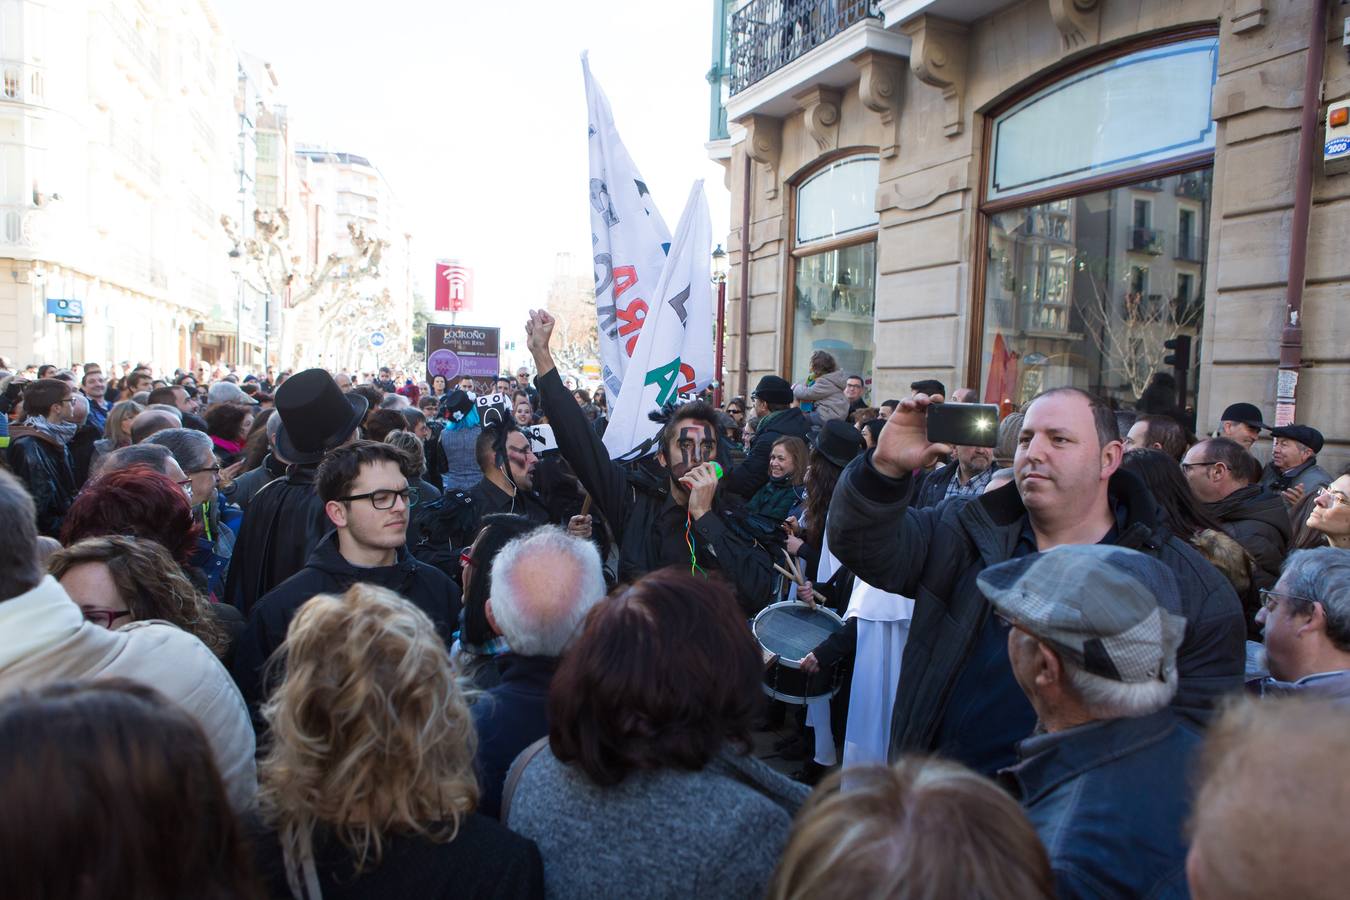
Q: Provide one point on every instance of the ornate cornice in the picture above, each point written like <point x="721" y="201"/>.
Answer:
<point x="938" y="58"/>
<point x="881" y="88"/>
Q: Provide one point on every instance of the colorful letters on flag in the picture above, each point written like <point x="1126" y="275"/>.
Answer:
<point x="673" y="351"/>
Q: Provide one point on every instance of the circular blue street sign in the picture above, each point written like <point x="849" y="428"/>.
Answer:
<point x="377" y="339"/>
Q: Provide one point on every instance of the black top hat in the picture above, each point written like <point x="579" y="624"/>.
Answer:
<point x="928" y="386"/>
<point x="773" y="389"/>
<point x="315" y="416"/>
<point x="455" y="405"/>
<point x="1246" y="413"/>
<point x="839" y="442"/>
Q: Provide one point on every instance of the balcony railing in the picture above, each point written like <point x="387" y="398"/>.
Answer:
<point x="1192" y="185"/>
<point x="133" y="40"/>
<point x="137" y="266"/>
<point x="16" y="226"/>
<point x="768" y="34"/>
<point x="204" y="131"/>
<point x="1190" y="248"/>
<point x="21" y="82"/>
<point x="131" y="148"/>
<point x="1146" y="240"/>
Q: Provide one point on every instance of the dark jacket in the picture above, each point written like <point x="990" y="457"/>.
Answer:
<point x="327" y="572"/>
<point x="753" y="473"/>
<point x="81" y="449"/>
<point x="1259" y="521"/>
<point x="638" y="506"/>
<point x="489" y="499"/>
<point x="508" y="718"/>
<point x="244" y="488"/>
<point x="772" y="502"/>
<point x="44" y="466"/>
<point x="284" y="524"/>
<point x="934" y="555"/>
<point x="930" y="488"/>
<point x="483" y="861"/>
<point x="1109" y="800"/>
<point x="1309" y="474"/>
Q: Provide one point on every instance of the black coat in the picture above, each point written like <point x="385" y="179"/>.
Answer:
<point x="934" y="556"/>
<point x="244" y="488"/>
<point x="327" y="572"/>
<point x="1259" y="521"/>
<point x="508" y="718"/>
<point x="283" y="525"/>
<point x="44" y="466"/>
<point x="753" y="473"/>
<point x="636" y="502"/>
<point x="81" y="448"/>
<point x="485" y="861"/>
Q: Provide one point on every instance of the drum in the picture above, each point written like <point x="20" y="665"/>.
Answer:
<point x="787" y="631"/>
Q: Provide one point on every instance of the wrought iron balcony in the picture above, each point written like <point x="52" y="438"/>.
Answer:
<point x="1146" y="240"/>
<point x="1190" y="248"/>
<point x="1193" y="185"/>
<point x="768" y="34"/>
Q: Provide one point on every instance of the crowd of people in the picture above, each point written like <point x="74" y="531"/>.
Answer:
<point x="315" y="635"/>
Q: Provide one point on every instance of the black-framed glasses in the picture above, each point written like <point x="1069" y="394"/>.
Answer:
<point x="385" y="499"/>
<point x="214" y="470"/>
<point x="186" y="485"/>
<point x="1270" y="599"/>
<point x="1186" y="467"/>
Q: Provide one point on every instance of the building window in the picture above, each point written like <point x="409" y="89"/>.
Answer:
<point x="1111" y="117"/>
<point x="13" y="83"/>
<point x="1082" y="283"/>
<point x="833" y="301"/>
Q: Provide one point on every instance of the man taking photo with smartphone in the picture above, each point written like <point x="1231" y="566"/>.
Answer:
<point x="958" y="696"/>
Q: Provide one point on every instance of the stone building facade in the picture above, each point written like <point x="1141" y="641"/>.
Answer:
<point x="1018" y="196"/>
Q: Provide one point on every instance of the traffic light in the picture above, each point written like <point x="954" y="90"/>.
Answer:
<point x="1180" y="357"/>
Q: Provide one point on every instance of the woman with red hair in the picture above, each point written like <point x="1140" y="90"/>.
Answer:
<point x="134" y="502"/>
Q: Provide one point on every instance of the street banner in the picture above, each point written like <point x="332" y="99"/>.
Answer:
<point x="454" y="286"/>
<point x="459" y="350"/>
<point x="674" y="350"/>
<point x="629" y="240"/>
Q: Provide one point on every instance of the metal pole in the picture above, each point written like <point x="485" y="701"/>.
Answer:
<point x="1291" y="337"/>
<point x="267" y="330"/>
<point x="721" y="334"/>
<point x="747" y="185"/>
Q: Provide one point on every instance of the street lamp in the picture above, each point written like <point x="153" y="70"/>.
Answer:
<point x="237" y="269"/>
<point x="719" y="277"/>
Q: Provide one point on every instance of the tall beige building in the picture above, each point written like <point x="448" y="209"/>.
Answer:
<point x="115" y="125"/>
<point x="1017" y="196"/>
<point x="338" y="189"/>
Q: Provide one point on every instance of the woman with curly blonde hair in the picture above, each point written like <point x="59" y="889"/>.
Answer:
<point x="368" y="786"/>
<point x="117" y="579"/>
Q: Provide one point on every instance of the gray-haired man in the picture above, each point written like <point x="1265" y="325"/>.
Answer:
<point x="1093" y="647"/>
<point x="1305" y="621"/>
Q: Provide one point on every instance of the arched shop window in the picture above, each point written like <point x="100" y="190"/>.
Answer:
<point x="834" y="252"/>
<point x="1094" y="220"/>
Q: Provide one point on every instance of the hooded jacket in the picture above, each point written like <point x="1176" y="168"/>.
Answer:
<point x="44" y="466"/>
<point x="827" y="393"/>
<point x="1259" y="521"/>
<point x="328" y="572"/>
<point x="935" y="554"/>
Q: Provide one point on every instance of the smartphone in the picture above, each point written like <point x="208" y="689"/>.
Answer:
<point x="968" y="424"/>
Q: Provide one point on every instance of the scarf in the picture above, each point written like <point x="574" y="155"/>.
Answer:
<point x="62" y="431"/>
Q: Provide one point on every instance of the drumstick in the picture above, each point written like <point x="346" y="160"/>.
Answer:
<point x="586" y="505"/>
<point x="785" y="573"/>
<point x="792" y="564"/>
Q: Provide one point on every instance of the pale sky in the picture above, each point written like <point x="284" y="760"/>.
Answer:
<point x="476" y="114"/>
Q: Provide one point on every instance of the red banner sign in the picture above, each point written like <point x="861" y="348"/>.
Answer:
<point x="454" y="286"/>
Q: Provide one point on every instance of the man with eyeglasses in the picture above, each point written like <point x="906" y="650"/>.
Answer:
<point x="39" y="454"/>
<point x="1219" y="472"/>
<point x="366" y="496"/>
<point x="1306" y="623"/>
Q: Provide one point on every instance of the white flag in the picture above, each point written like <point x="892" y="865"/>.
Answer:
<point x="629" y="240"/>
<point x="675" y="347"/>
